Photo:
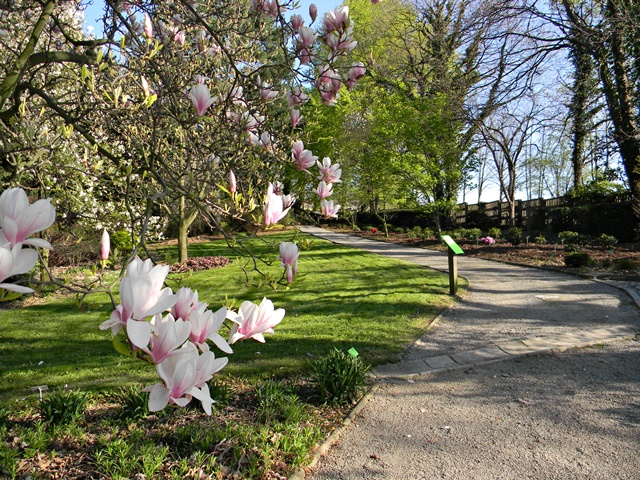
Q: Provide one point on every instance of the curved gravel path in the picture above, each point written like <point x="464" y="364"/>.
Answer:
<point x="574" y="414"/>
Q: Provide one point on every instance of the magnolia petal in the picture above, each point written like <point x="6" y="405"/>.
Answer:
<point x="16" y="288"/>
<point x="38" y="242"/>
<point x="221" y="343"/>
<point x="139" y="333"/>
<point x="158" y="397"/>
<point x="181" y="402"/>
<point x="24" y="260"/>
<point x="258" y="337"/>
<point x="164" y="303"/>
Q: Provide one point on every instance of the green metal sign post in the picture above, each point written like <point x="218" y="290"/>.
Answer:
<point x="453" y="250"/>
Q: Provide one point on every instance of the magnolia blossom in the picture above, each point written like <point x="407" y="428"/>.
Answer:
<point x="186" y="303"/>
<point x="148" y="26"/>
<point x="105" y="245"/>
<point x="274" y="209"/>
<point x="288" y="201"/>
<point x="328" y="84"/>
<point x="329" y="173"/>
<point x="356" y="72"/>
<point x="295" y="117"/>
<point x="201" y="98"/>
<point x="204" y="325"/>
<point x="324" y="190"/>
<point x="145" y="87"/>
<point x="337" y="19"/>
<point x="289" y="253"/>
<point x="313" y="12"/>
<point x="142" y="296"/>
<point x="297" y="97"/>
<point x="266" y="91"/>
<point x="163" y="340"/>
<point x="302" y="159"/>
<point x="304" y="44"/>
<point x="252" y="321"/>
<point x="328" y="209"/>
<point x="179" y="37"/>
<point x="232" y="182"/>
<point x="16" y="261"/>
<point x="184" y="378"/>
<point x="296" y="22"/>
<point x="19" y="219"/>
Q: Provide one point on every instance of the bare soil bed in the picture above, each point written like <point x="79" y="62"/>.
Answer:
<point x="620" y="263"/>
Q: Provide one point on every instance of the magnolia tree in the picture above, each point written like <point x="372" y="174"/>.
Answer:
<point x="194" y="103"/>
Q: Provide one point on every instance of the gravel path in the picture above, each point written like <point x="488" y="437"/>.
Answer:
<point x="574" y="414"/>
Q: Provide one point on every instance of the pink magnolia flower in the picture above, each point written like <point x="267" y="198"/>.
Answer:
<point x="296" y="22"/>
<point x="105" y="245"/>
<point x="19" y="219"/>
<point x="142" y="296"/>
<point x="278" y="188"/>
<point x="328" y="84"/>
<point x="186" y="303"/>
<point x="324" y="190"/>
<point x="148" y="26"/>
<point x="266" y="91"/>
<point x="295" y="117"/>
<point x="16" y="261"/>
<point x="289" y="253"/>
<point x="205" y="325"/>
<point x="164" y="339"/>
<point x="232" y="182"/>
<point x="302" y="159"/>
<point x="313" y="12"/>
<point x="145" y="87"/>
<point x="329" y="173"/>
<point x="356" y="72"/>
<point x="288" y="201"/>
<point x="201" y="98"/>
<point x="181" y="375"/>
<point x="297" y="97"/>
<point x="274" y="210"/>
<point x="179" y="37"/>
<point x="329" y="209"/>
<point x="252" y="321"/>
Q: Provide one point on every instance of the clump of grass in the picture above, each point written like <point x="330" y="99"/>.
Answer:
<point x="63" y="406"/>
<point x="339" y="377"/>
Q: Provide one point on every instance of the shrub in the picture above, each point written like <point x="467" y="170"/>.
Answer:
<point x="473" y="233"/>
<point x="121" y="240"/>
<point x="427" y="233"/>
<point x="133" y="403"/>
<point x="63" y="407"/>
<point x="625" y="264"/>
<point x="339" y="377"/>
<point x="494" y="232"/>
<point x="488" y="240"/>
<point x="569" y="237"/>
<point x="578" y="259"/>
<point x="540" y="240"/>
<point x="605" y="241"/>
<point x="513" y="235"/>
<point x="374" y="230"/>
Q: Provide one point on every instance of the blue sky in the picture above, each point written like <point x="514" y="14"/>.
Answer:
<point x="94" y="11"/>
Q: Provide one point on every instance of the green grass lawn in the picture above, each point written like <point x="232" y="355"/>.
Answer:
<point x="341" y="298"/>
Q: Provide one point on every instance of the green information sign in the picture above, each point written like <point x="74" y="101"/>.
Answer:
<point x="455" y="248"/>
<point x="353" y="352"/>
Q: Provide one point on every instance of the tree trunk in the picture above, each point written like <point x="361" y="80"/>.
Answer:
<point x="579" y="105"/>
<point x="185" y="219"/>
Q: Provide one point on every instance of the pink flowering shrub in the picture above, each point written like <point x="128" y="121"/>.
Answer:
<point x="488" y="240"/>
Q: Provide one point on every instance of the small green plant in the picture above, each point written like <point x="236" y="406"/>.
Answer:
<point x="625" y="264"/>
<point x="568" y="237"/>
<point x="473" y="233"/>
<point x="605" y="241"/>
<point x="427" y="233"/>
<point x="133" y="403"/>
<point x="277" y="404"/>
<point x="494" y="232"/>
<point x="513" y="236"/>
<point x="63" y="407"/>
<point x="578" y="259"/>
<point x="540" y="239"/>
<point x="339" y="377"/>
<point x="121" y="240"/>
<point x="4" y="416"/>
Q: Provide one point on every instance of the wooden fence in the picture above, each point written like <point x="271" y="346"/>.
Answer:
<point x="497" y="213"/>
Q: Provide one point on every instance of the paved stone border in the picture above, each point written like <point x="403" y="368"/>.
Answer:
<point x="504" y="351"/>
